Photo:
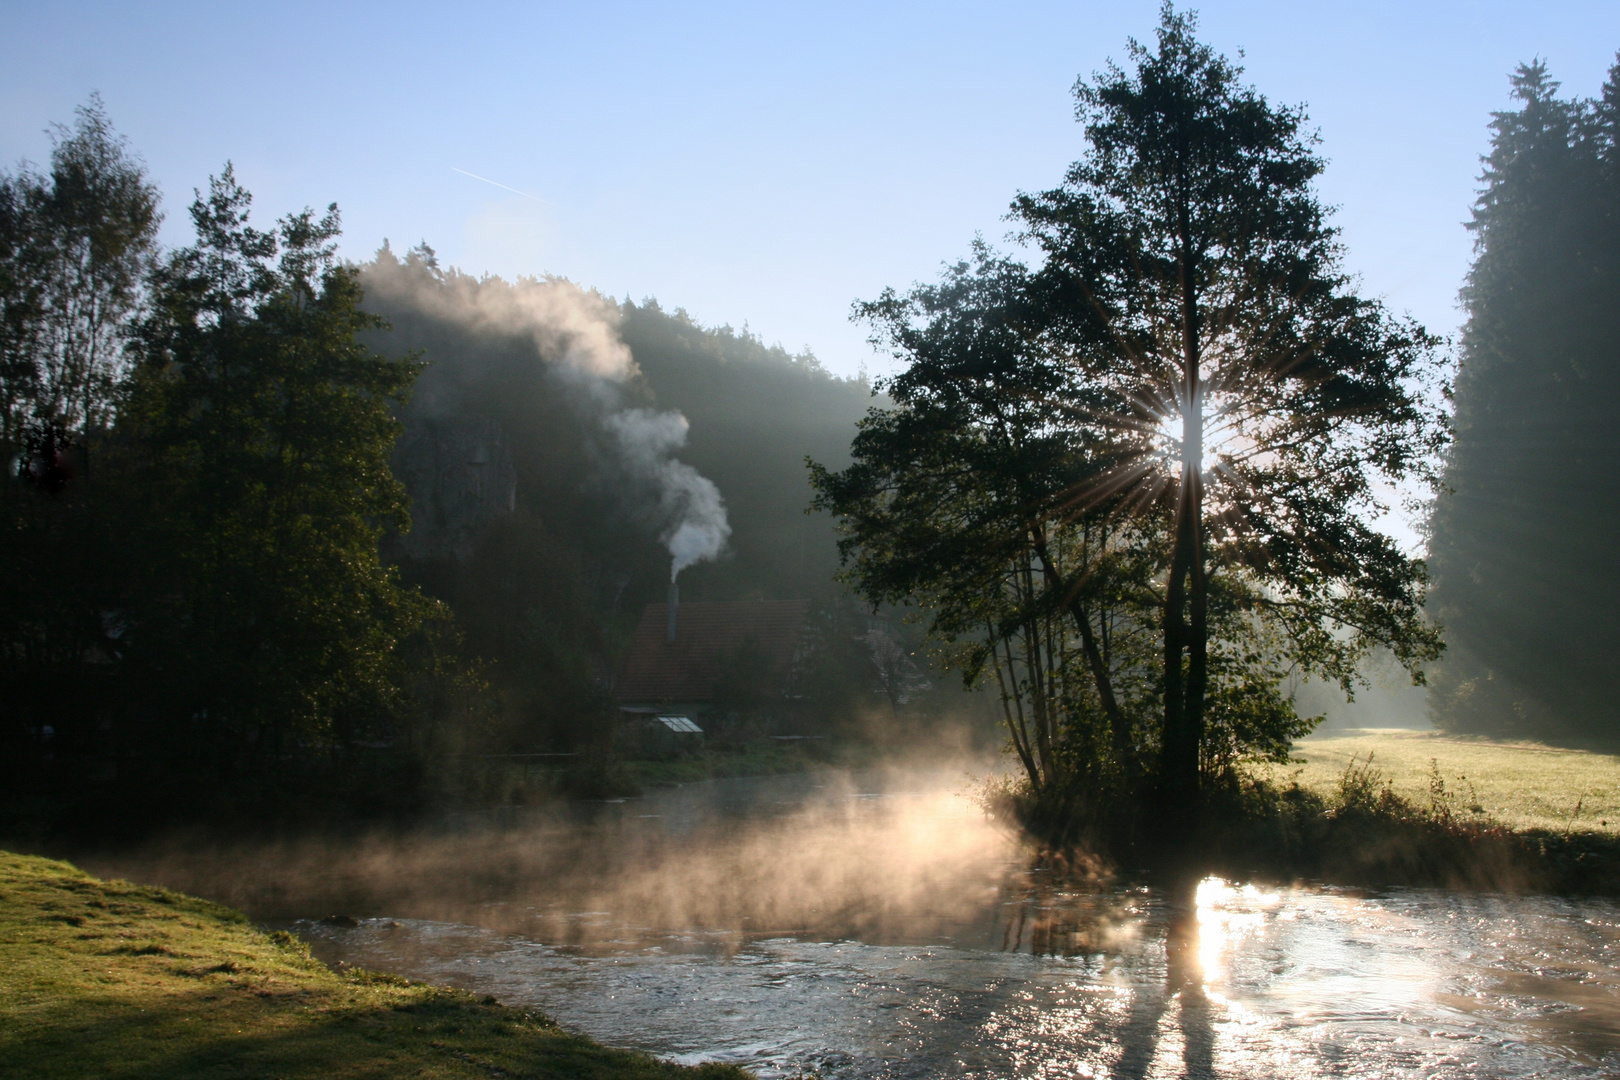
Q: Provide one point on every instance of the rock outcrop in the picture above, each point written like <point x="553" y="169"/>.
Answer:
<point x="460" y="477"/>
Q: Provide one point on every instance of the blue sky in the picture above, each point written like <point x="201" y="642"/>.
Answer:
<point x="758" y="163"/>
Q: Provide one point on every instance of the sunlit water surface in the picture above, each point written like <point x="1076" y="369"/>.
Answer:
<point x="881" y="928"/>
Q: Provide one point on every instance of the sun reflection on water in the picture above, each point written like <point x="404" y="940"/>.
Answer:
<point x="1226" y="913"/>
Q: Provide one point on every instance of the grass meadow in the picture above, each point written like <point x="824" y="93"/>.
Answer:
<point x="1517" y="784"/>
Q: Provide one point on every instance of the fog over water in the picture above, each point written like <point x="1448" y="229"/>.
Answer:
<point x="877" y="925"/>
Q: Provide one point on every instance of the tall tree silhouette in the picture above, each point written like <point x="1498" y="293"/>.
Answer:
<point x="1523" y="532"/>
<point x="1260" y="399"/>
<point x="1188" y="386"/>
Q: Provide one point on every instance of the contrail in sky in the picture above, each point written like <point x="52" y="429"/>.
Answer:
<point x="497" y="183"/>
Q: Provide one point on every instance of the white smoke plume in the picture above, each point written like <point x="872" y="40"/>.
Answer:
<point x="690" y="508"/>
<point x="569" y="325"/>
<point x="577" y="331"/>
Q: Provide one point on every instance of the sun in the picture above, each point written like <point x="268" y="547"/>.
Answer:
<point x="1223" y="437"/>
<point x="1167" y="434"/>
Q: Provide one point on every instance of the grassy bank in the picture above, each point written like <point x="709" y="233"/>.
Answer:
<point x="109" y="979"/>
<point x="1369" y="808"/>
<point x="1523" y="786"/>
<point x="1423" y="808"/>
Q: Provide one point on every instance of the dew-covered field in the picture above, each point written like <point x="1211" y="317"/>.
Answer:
<point x="1519" y="784"/>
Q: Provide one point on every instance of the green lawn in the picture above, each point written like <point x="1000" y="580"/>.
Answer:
<point x="112" y="980"/>
<point x="1521" y="785"/>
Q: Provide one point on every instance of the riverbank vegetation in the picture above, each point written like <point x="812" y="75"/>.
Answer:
<point x="1519" y="785"/>
<point x="1362" y="829"/>
<point x="110" y="979"/>
<point x="1380" y="809"/>
<point x="604" y="773"/>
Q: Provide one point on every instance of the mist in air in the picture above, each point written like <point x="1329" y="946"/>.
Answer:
<point x="1072" y="543"/>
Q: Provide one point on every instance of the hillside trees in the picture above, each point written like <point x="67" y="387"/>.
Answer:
<point x="265" y="430"/>
<point x="1523" y="530"/>
<point x="1177" y="425"/>
<point x="554" y="572"/>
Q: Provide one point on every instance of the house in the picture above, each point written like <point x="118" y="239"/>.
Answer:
<point x="682" y="654"/>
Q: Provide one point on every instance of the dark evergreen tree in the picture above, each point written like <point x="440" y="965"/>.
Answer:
<point x="1523" y="534"/>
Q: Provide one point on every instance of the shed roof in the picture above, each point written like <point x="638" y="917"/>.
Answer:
<point x="707" y="635"/>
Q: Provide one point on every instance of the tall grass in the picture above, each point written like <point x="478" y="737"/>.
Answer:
<point x="1363" y="830"/>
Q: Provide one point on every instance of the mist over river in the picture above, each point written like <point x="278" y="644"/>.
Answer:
<point x="876" y="925"/>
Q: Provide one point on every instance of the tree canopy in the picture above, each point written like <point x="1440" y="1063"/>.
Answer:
<point x="268" y="429"/>
<point x="1173" y="432"/>
<point x="75" y="245"/>
<point x="203" y="621"/>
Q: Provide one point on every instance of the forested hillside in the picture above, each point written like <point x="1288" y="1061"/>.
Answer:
<point x="288" y="539"/>
<point x="595" y="421"/>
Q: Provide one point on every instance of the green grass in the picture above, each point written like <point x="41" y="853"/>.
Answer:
<point x="109" y="979"/>
<point x="1523" y="786"/>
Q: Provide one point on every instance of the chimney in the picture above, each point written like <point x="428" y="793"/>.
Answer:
<point x="674" y="608"/>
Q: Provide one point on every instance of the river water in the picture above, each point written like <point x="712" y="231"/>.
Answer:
<point x="879" y="926"/>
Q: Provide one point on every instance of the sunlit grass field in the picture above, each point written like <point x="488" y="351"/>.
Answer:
<point x="1517" y="784"/>
<point x="110" y="979"/>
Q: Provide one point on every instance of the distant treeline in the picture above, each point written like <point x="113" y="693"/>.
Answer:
<point x="1523" y="543"/>
<point x="266" y="557"/>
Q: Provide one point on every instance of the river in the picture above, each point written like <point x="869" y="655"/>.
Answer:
<point x="876" y="925"/>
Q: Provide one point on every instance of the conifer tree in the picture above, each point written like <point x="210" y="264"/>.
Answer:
<point x="1523" y="531"/>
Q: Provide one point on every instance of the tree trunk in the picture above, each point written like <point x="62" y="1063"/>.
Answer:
<point x="1172" y="744"/>
<point x="1118" y="726"/>
<point x="1184" y="698"/>
<point x="1102" y="679"/>
<point x="1015" y="721"/>
<point x="1197" y="653"/>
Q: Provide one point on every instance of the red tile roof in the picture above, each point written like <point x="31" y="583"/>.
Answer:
<point x="707" y="635"/>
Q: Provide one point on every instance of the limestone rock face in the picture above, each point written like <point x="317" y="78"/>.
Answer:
<point x="460" y="477"/>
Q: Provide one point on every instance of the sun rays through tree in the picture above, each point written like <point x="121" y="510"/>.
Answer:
<point x="1142" y="480"/>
